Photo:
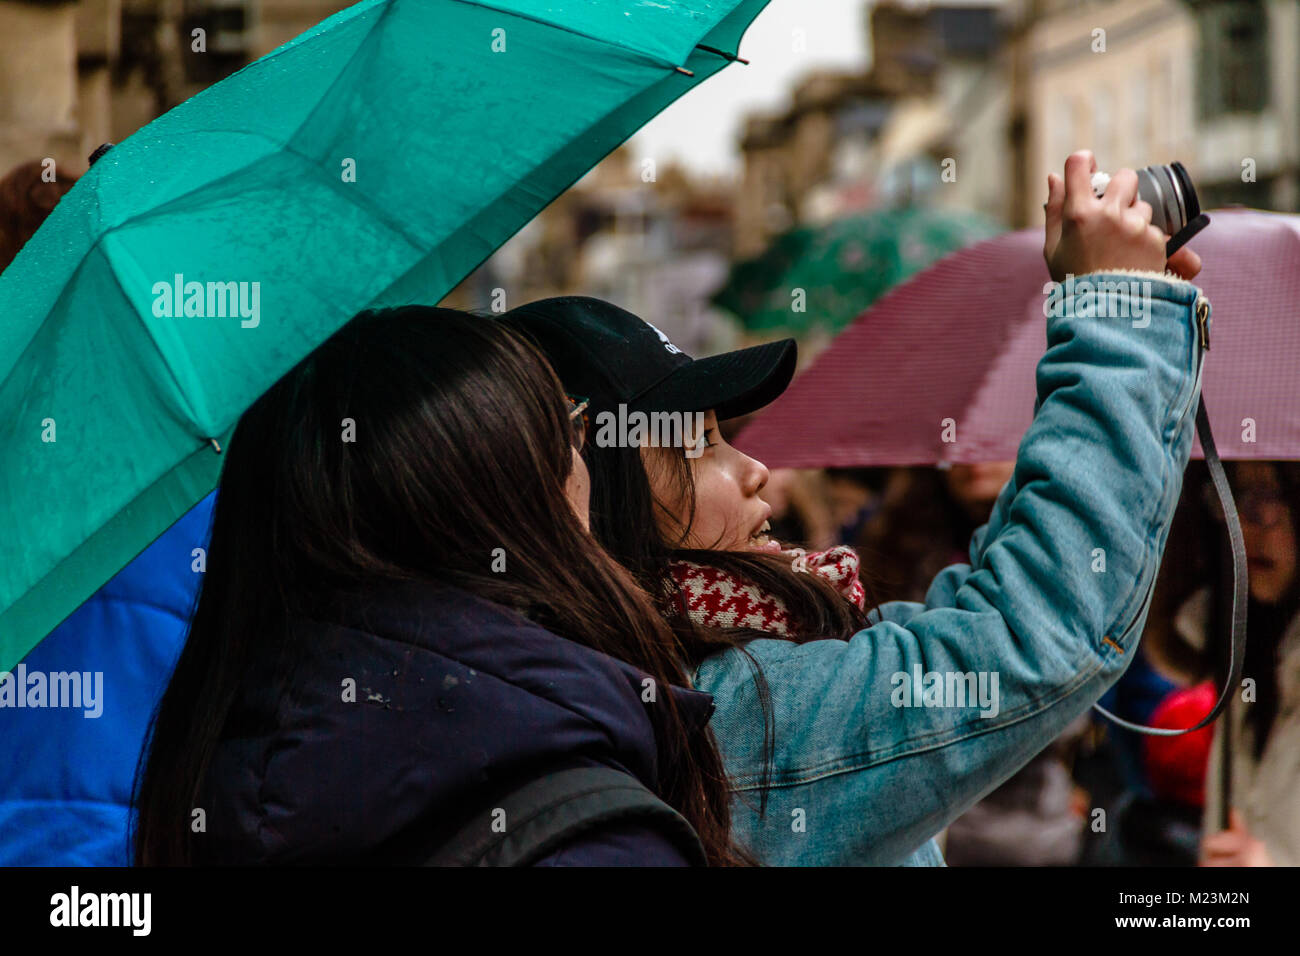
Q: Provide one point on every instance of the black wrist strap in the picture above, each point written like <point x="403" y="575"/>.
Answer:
<point x="1181" y="238"/>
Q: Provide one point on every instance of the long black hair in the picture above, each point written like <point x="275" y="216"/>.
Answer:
<point x="625" y="519"/>
<point x="1268" y="622"/>
<point x="462" y="446"/>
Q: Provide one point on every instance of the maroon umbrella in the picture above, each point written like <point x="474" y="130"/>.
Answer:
<point x="951" y="353"/>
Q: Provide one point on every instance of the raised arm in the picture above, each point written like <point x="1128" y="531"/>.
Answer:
<point x="882" y="740"/>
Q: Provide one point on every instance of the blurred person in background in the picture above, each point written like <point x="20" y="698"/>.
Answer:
<point x="28" y="193"/>
<point x="855" y="495"/>
<point x="1165" y="830"/>
<point x="1169" y="808"/>
<point x="1036" y="817"/>
<point x="1263" y="734"/>
<point x="1135" y="778"/>
<point x="924" y="522"/>
<point x="801" y="508"/>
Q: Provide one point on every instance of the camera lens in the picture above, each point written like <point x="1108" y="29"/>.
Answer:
<point x="1169" y="191"/>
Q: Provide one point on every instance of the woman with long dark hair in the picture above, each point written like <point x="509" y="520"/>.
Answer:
<point x="854" y="737"/>
<point x="1262" y="745"/>
<point x="404" y="620"/>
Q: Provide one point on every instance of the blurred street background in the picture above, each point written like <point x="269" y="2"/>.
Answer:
<point x="845" y="107"/>
<point x="941" y="120"/>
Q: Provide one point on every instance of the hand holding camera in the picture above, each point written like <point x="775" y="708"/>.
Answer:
<point x="1090" y="233"/>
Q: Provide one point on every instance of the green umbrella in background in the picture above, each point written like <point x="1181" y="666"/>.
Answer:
<point x="825" y="276"/>
<point x="374" y="160"/>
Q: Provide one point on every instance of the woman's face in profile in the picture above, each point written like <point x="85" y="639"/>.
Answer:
<point x="1268" y="527"/>
<point x="729" y="515"/>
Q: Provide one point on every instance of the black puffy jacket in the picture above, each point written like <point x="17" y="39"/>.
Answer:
<point x="456" y="701"/>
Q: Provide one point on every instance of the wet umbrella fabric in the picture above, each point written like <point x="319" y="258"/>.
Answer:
<point x="843" y="266"/>
<point x="960" y="342"/>
<point x="943" y="370"/>
<point x="376" y="159"/>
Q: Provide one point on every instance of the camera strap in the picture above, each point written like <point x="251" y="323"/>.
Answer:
<point x="1240" y="588"/>
<point x="1183" y="235"/>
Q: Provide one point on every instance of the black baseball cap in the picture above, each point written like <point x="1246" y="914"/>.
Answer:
<point x="612" y="357"/>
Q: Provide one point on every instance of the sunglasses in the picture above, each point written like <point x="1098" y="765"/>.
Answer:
<point x="578" y="422"/>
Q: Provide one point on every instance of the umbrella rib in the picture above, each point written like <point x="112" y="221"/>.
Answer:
<point x="203" y="186"/>
<point x="281" y="144"/>
<point x="361" y="200"/>
<point x="188" y="406"/>
<point x="98" y="243"/>
<point x="289" y="148"/>
<point x="513" y="185"/>
<point x="357" y="200"/>
<point x="313" y="166"/>
<point x="340" y="72"/>
<point x="596" y="124"/>
<point x="729" y="57"/>
<point x="117" y="279"/>
<point x="149" y="334"/>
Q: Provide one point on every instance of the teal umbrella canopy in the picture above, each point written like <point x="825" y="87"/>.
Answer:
<point x="374" y="160"/>
<point x="824" y="276"/>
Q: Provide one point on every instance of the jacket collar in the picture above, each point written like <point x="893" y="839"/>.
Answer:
<point x="402" y="606"/>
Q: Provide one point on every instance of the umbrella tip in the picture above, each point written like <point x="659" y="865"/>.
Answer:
<point x="682" y="69"/>
<point x="215" y="445"/>
<point x="100" y="151"/>
<point x="722" y="53"/>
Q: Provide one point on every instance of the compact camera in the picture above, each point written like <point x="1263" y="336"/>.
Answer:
<point x="1175" y="208"/>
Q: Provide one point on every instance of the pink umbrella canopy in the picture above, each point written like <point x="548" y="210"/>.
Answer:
<point x="941" y="369"/>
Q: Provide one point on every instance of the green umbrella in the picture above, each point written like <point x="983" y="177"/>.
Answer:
<point x="376" y="159"/>
<point x="825" y="276"/>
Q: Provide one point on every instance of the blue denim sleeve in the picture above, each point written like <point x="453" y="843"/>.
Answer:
<point x="883" y="740"/>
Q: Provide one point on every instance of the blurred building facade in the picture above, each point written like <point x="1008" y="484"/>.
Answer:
<point x="74" y="75"/>
<point x="936" y="88"/>
<point x="970" y="104"/>
<point x="964" y="104"/>
<point x="653" y="239"/>
<point x="1213" y="83"/>
<point x="926" y="122"/>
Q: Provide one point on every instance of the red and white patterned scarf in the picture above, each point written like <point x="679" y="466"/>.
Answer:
<point x="717" y="598"/>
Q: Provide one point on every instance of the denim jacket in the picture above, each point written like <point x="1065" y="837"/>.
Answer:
<point x="875" y="747"/>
